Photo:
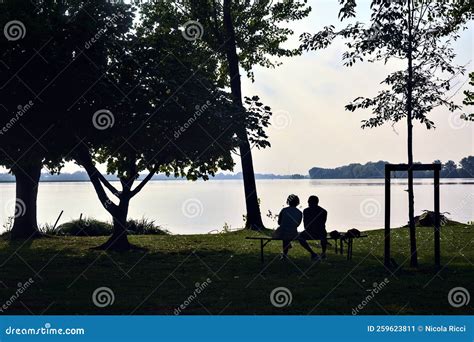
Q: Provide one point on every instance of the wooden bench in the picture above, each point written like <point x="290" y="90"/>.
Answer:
<point x="338" y="243"/>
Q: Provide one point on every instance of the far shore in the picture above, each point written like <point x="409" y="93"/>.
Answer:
<point x="470" y="180"/>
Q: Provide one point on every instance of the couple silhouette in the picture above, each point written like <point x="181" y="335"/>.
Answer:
<point x="314" y="218"/>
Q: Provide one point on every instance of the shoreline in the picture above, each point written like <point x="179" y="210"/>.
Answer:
<point x="470" y="180"/>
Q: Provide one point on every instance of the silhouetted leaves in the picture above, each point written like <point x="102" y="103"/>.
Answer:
<point x="385" y="38"/>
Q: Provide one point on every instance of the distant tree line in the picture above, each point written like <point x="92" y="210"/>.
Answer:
<point x="465" y="169"/>
<point x="82" y="176"/>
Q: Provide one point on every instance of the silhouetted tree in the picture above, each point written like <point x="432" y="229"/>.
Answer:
<point x="467" y="165"/>
<point x="45" y="69"/>
<point x="421" y="34"/>
<point x="469" y="100"/>
<point x="168" y="115"/>
<point x="244" y="34"/>
<point x="449" y="169"/>
<point x="461" y="11"/>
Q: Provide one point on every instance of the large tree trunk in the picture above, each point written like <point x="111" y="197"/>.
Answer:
<point x="411" y="195"/>
<point x="119" y="240"/>
<point x="25" y="225"/>
<point x="254" y="218"/>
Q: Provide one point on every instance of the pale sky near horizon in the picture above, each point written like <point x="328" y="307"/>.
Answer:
<point x="311" y="128"/>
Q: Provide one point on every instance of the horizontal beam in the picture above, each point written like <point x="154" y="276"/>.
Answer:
<point x="415" y="167"/>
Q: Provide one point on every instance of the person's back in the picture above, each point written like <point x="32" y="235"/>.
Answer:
<point x="315" y="220"/>
<point x="289" y="220"/>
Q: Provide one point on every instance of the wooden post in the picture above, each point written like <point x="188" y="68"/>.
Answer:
<point x="437" y="247"/>
<point x="387" y="261"/>
<point x="56" y="223"/>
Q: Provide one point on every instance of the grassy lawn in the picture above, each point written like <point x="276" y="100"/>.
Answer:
<point x="156" y="281"/>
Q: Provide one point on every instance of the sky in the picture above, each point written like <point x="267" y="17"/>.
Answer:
<point x="311" y="128"/>
<point x="308" y="93"/>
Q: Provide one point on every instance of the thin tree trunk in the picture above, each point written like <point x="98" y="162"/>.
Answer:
<point x="119" y="240"/>
<point x="25" y="225"/>
<point x="411" y="196"/>
<point x="254" y="218"/>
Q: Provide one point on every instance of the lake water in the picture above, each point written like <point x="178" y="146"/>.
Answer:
<point x="201" y="207"/>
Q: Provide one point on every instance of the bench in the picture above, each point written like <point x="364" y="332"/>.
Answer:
<point x="265" y="240"/>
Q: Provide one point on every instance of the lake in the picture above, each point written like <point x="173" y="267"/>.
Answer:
<point x="201" y="207"/>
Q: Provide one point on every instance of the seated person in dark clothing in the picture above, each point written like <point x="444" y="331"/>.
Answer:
<point x="288" y="220"/>
<point x="314" y="218"/>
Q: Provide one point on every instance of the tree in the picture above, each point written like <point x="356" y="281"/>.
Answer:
<point x="41" y="51"/>
<point x="244" y="34"/>
<point x="420" y="33"/>
<point x="165" y="114"/>
<point x="469" y="100"/>
<point x="467" y="165"/>
<point x="459" y="13"/>
<point x="449" y="169"/>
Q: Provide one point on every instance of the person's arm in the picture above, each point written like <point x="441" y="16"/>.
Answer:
<point x="280" y="215"/>
<point x="301" y="218"/>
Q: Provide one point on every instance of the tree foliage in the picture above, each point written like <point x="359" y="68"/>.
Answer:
<point x="169" y="115"/>
<point x="46" y="67"/>
<point x="469" y="100"/>
<point x="260" y="30"/>
<point x="386" y="38"/>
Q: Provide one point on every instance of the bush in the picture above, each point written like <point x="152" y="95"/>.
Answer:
<point x="145" y="227"/>
<point x="84" y="227"/>
<point x="92" y="227"/>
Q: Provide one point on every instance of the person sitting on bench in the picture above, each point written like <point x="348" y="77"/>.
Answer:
<point x="288" y="221"/>
<point x="314" y="227"/>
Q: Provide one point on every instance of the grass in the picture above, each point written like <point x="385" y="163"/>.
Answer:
<point x="66" y="272"/>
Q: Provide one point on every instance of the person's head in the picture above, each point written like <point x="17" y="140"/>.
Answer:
<point x="293" y="201"/>
<point x="313" y="201"/>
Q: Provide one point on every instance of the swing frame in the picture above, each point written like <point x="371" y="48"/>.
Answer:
<point x="436" y="168"/>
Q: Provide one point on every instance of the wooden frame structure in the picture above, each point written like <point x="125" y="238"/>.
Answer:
<point x="416" y="167"/>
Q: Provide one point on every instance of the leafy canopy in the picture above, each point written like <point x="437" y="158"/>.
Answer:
<point x="46" y="68"/>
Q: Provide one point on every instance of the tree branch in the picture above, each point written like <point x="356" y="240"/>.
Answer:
<point x="83" y="158"/>
<point x="107" y="184"/>
<point x="143" y="183"/>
